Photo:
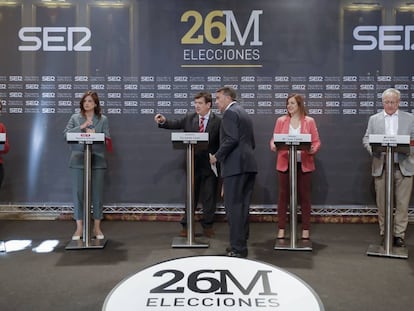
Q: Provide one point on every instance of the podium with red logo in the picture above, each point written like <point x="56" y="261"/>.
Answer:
<point x="293" y="142"/>
<point x="389" y="144"/>
<point x="2" y="142"/>
<point x="189" y="141"/>
<point x="87" y="140"/>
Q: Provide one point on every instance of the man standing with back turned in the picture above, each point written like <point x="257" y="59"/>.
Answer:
<point x="238" y="168"/>
<point x="392" y="121"/>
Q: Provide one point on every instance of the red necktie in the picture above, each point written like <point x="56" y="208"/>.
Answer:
<point x="201" y="128"/>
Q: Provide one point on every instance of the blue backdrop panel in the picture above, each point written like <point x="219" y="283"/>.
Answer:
<point x="152" y="56"/>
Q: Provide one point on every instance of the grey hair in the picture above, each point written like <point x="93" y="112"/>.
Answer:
<point x="392" y="91"/>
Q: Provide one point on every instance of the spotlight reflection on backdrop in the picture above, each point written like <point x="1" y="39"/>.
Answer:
<point x="36" y="148"/>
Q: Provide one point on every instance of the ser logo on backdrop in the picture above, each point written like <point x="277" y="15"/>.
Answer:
<point x="220" y="37"/>
<point x="383" y="38"/>
<point x="58" y="39"/>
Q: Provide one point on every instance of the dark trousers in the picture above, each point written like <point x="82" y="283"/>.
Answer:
<point x="238" y="190"/>
<point x="1" y="174"/>
<point x="205" y="192"/>
<point x="304" y="197"/>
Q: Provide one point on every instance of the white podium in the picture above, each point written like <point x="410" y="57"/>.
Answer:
<point x="87" y="140"/>
<point x="2" y="142"/>
<point x="189" y="140"/>
<point x="389" y="144"/>
<point x="293" y="143"/>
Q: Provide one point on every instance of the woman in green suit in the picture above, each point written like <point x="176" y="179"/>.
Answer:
<point x="89" y="120"/>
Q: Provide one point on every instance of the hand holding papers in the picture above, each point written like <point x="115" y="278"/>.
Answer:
<point x="214" y="169"/>
<point x="213" y="165"/>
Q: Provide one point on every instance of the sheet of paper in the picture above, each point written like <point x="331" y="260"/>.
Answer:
<point x="214" y="169"/>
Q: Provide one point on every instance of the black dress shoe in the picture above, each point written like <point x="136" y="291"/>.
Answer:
<point x="399" y="242"/>
<point x="237" y="254"/>
<point x="208" y="232"/>
<point x="183" y="233"/>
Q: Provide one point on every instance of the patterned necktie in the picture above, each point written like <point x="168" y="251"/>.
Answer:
<point x="201" y="128"/>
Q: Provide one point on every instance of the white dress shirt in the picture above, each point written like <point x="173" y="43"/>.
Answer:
<point x="296" y="131"/>
<point x="391" y="123"/>
<point x="391" y="127"/>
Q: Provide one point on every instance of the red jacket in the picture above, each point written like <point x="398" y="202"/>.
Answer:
<point x="307" y="126"/>
<point x="6" y="145"/>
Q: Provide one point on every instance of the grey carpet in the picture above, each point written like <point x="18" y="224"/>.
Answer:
<point x="337" y="268"/>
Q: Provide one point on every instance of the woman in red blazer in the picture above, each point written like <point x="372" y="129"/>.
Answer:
<point x="296" y="122"/>
<point x="4" y="148"/>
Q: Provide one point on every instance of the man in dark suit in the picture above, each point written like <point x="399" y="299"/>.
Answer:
<point x="238" y="168"/>
<point x="205" y="180"/>
<point x="392" y="121"/>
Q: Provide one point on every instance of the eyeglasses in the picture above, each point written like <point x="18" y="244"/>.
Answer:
<point x="390" y="102"/>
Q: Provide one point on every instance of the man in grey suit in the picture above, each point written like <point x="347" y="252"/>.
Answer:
<point x="238" y="168"/>
<point x="392" y="121"/>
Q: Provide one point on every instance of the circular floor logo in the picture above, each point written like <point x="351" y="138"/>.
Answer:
<point x="212" y="283"/>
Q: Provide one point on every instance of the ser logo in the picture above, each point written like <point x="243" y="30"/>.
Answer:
<point x="218" y="32"/>
<point x="56" y="39"/>
<point x="15" y="110"/>
<point x="48" y="110"/>
<point x="385" y="38"/>
<point x="114" y="111"/>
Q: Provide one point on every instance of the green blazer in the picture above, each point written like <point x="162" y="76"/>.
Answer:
<point x="98" y="150"/>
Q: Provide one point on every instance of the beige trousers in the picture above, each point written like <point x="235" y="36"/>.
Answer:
<point x="402" y="195"/>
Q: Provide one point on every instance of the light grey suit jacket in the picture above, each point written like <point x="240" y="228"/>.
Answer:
<point x="376" y="125"/>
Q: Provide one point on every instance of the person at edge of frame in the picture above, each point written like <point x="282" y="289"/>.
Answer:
<point x="392" y="121"/>
<point x="4" y="148"/>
